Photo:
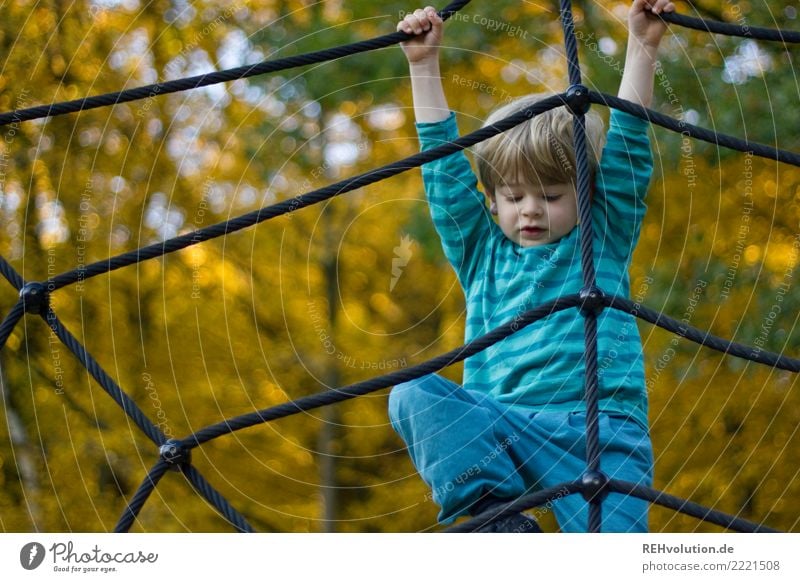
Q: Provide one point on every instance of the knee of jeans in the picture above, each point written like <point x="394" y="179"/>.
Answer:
<point x="399" y="399"/>
<point x="408" y="398"/>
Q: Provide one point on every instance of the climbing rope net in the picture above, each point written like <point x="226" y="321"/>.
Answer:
<point x="593" y="485"/>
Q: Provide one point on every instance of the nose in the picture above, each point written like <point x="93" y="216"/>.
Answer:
<point x="532" y="206"/>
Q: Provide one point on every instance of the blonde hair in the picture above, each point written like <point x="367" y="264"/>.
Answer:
<point x="539" y="150"/>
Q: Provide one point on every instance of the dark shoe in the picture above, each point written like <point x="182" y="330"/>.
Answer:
<point x="514" y="523"/>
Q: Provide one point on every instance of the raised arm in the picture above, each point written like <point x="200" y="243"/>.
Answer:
<point x="422" y="52"/>
<point x="457" y="206"/>
<point x="645" y="31"/>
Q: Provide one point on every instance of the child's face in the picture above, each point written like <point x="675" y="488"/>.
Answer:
<point x="536" y="215"/>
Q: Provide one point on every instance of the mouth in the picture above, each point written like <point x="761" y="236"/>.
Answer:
<point x="532" y="232"/>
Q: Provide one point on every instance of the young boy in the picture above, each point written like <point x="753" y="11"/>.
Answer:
<point x="519" y="423"/>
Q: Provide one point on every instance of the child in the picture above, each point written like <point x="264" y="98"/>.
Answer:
<point x="519" y="423"/>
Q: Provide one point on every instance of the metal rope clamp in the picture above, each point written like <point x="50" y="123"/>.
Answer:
<point x="594" y="486"/>
<point x="592" y="300"/>
<point x="174" y="453"/>
<point x="35" y="298"/>
<point x="577" y="99"/>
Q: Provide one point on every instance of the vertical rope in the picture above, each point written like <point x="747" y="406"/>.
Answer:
<point x="570" y="42"/>
<point x="587" y="264"/>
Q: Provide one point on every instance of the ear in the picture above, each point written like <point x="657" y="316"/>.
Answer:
<point x="493" y="208"/>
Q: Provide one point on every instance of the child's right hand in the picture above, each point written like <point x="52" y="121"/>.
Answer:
<point x="424" y="47"/>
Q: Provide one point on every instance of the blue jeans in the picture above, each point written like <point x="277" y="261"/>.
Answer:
<point x="465" y="444"/>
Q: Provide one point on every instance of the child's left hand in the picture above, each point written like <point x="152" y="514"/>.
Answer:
<point x="648" y="29"/>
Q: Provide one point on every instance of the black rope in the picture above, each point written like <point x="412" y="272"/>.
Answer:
<point x="309" y="198"/>
<point x="11" y="274"/>
<point x="578" y="104"/>
<point x="649" y="494"/>
<point x="704" y="338"/>
<point x="10" y="322"/>
<point x="106" y="382"/>
<point x="729" y="29"/>
<point x="374" y="384"/>
<point x="216" y="499"/>
<point x="687" y="507"/>
<point x="570" y="42"/>
<point x="526" y="502"/>
<point x="206" y="79"/>
<point x="700" y="133"/>
<point x="142" y="494"/>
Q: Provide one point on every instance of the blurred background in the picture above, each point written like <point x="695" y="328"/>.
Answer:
<point x="356" y="287"/>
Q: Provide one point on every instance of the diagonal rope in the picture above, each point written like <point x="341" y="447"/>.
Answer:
<point x="323" y="399"/>
<point x="216" y="499"/>
<point x="730" y="29"/>
<point x="106" y="382"/>
<point x="695" y="131"/>
<point x="374" y="384"/>
<point x="654" y="496"/>
<point x="687" y="507"/>
<point x="526" y="502"/>
<point x="704" y="338"/>
<point x="10" y="322"/>
<point x="142" y="494"/>
<point x="11" y="274"/>
<point x="206" y="79"/>
<point x="301" y="201"/>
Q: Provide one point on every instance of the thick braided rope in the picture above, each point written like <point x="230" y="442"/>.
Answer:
<point x="216" y="499"/>
<point x="10" y="322"/>
<point x="570" y="42"/>
<point x="521" y="504"/>
<point x="377" y="383"/>
<point x="591" y="386"/>
<point x="199" y="484"/>
<point x="142" y="494"/>
<point x="704" y="338"/>
<point x="106" y="382"/>
<point x="695" y="131"/>
<point x="330" y="397"/>
<point x="730" y="29"/>
<point x="687" y="507"/>
<point x="550" y="494"/>
<point x="301" y="201"/>
<point x="206" y="79"/>
<point x="11" y="274"/>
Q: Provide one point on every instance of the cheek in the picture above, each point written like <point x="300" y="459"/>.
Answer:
<point x="563" y="214"/>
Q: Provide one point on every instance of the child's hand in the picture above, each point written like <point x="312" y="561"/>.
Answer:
<point x="425" y="46"/>
<point x="647" y="28"/>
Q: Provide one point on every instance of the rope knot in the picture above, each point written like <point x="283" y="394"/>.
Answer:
<point x="577" y="99"/>
<point x="35" y="298"/>
<point x="174" y="453"/>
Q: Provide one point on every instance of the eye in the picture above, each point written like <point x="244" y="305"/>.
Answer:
<point x="552" y="197"/>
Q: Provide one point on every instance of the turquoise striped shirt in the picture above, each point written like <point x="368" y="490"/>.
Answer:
<point x="542" y="366"/>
